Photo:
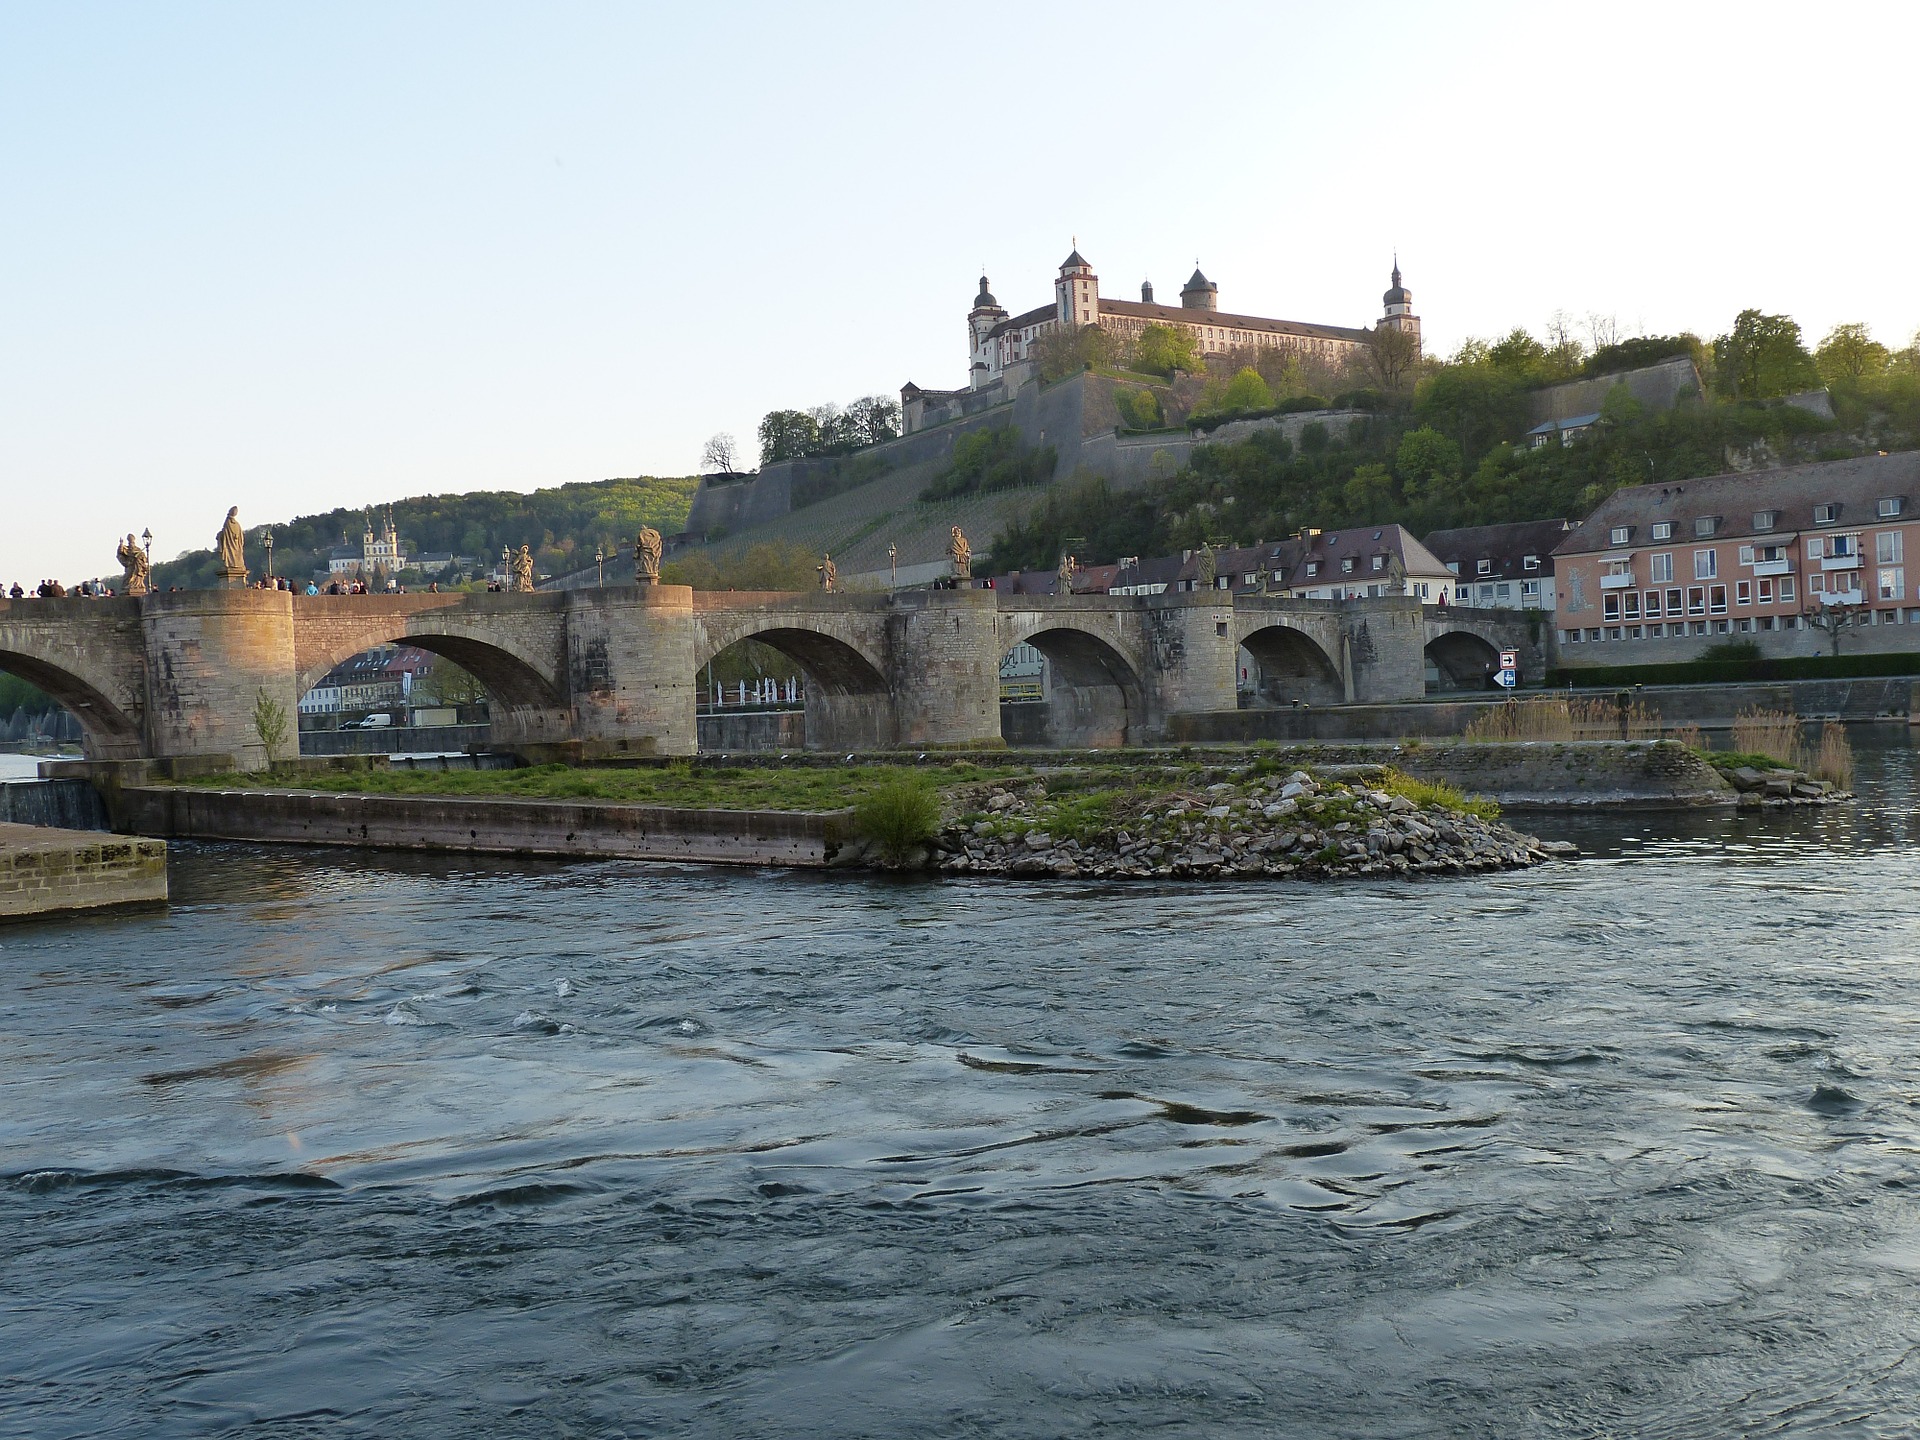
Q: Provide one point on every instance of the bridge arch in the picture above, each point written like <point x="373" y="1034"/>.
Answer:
<point x="506" y="677"/>
<point x="849" y="705"/>
<point x="1290" y="666"/>
<point x="1093" y="695"/>
<point x="1461" y="660"/>
<point x="112" y="730"/>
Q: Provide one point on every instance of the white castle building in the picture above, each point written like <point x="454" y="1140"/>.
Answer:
<point x="999" y="344"/>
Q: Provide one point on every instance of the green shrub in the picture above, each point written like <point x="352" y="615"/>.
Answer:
<point x="1437" y="795"/>
<point x="1140" y="409"/>
<point x="990" y="460"/>
<point x="1729" y="652"/>
<point x="1711" y="672"/>
<point x="899" y="815"/>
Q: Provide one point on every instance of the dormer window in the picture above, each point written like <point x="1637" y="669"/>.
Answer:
<point x="1379" y="562"/>
<point x="1618" y="535"/>
<point x="1532" y="562"/>
<point x="1890" y="507"/>
<point x="1825" y="514"/>
<point x="1663" y="530"/>
<point x="1485" y="567"/>
<point x="1313" y="567"/>
<point x="1705" y="526"/>
<point x="1346" y="566"/>
<point x="1765" y="519"/>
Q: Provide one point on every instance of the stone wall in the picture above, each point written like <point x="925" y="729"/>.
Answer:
<point x="394" y="740"/>
<point x="1657" y="387"/>
<point x="753" y="731"/>
<point x="49" y="872"/>
<point x="577" y="829"/>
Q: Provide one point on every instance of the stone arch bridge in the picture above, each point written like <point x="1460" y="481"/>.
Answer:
<point x="615" y="670"/>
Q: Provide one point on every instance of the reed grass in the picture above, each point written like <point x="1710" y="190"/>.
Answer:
<point x="1691" y="736"/>
<point x="1833" y="758"/>
<point x="1561" y="717"/>
<point x="1773" y="733"/>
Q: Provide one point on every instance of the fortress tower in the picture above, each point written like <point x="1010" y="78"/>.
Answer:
<point x="1076" y="294"/>
<point x="1399" y="302"/>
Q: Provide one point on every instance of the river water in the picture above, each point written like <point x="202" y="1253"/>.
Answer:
<point x="352" y="1144"/>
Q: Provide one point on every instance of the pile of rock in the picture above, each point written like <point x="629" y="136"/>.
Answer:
<point x="1249" y="825"/>
<point x="1781" y="787"/>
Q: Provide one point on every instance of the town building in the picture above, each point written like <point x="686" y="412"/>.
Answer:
<point x="1000" y="344"/>
<point x="1660" y="572"/>
<point x="1502" y="566"/>
<point x="379" y="555"/>
<point x="372" y="680"/>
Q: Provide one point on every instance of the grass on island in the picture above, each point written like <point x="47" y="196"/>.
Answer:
<point x="686" y="786"/>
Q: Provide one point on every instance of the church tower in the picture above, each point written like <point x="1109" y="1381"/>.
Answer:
<point x="1076" y="294"/>
<point x="1399" y="307"/>
<point x="986" y="314"/>
<point x="1200" y="293"/>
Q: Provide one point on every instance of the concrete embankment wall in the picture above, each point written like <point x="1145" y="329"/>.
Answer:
<point x="64" y="804"/>
<point x="48" y="872"/>
<point x="491" y="825"/>
<point x="753" y="730"/>
<point x="394" y="740"/>
<point x="1712" y="707"/>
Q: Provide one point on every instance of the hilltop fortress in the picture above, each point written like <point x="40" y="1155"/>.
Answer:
<point x="1000" y="346"/>
<point x="869" y="508"/>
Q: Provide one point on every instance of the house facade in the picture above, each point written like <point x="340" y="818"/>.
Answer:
<point x="1508" y="567"/>
<point x="1660" y="573"/>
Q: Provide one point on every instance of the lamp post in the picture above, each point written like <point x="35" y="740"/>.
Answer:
<point x="893" y="565"/>
<point x="269" y="552"/>
<point x="146" y="539"/>
<point x="600" y="563"/>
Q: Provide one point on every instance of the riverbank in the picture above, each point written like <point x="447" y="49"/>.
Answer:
<point x="45" y="872"/>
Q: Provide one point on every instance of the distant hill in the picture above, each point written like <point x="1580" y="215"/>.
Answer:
<point x="563" y="524"/>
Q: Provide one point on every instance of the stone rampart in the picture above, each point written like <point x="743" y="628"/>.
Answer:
<point x="576" y="829"/>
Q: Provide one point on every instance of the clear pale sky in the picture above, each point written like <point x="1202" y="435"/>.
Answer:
<point x="297" y="256"/>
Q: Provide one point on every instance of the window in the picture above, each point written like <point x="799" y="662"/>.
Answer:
<point x="1569" y="637"/>
<point x="1705" y="526"/>
<point x="1313" y="567"/>
<point x="1889" y="547"/>
<point x="1893" y="582"/>
<point x="1717" y="599"/>
<point x="1816" y="547"/>
<point x="1531" y="562"/>
<point x="1765" y="591"/>
<point x="1653" y="604"/>
<point x="1786" y="590"/>
<point x="1630" y="604"/>
<point x="1889" y="507"/>
<point x="1379" y="562"/>
<point x="1746" y="554"/>
<point x="1843" y="546"/>
<point x="1610" y="607"/>
<point x="1484" y="567"/>
<point x="1673" y="602"/>
<point x="1660" y="567"/>
<point x="1620" y="535"/>
<point x="1765" y="519"/>
<point x="1454" y="566"/>
<point x="1697" y="600"/>
<point x="1706" y="564"/>
<point x="1346" y="566"/>
<point x="1743" y="592"/>
<point x="1663" y="530"/>
<point x="1825" y="514"/>
<point x="1529" y="592"/>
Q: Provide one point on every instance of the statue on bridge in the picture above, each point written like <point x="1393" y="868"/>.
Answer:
<point x="133" y="566"/>
<point x="961" y="554"/>
<point x="1209" y="565"/>
<point x="231" y="542"/>
<point x="522" y="569"/>
<point x="829" y="573"/>
<point x="1068" y="564"/>
<point x="646" y="556"/>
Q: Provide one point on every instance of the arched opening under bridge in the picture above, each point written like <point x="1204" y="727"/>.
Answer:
<point x="786" y="688"/>
<point x="45" y="708"/>
<point x="1067" y="689"/>
<point x="1279" y="665"/>
<point x="1461" y="660"/>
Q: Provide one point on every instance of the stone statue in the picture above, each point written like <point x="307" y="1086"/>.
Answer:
<point x="232" y="544"/>
<point x="829" y="573"/>
<point x="1067" y="566"/>
<point x="1209" y="566"/>
<point x="960" y="553"/>
<point x="646" y="556"/>
<point x="522" y="569"/>
<point x="133" y="566"/>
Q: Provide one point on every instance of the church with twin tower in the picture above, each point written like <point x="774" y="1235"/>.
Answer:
<point x="999" y="340"/>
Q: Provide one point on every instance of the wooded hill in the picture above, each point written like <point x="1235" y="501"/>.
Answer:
<point x="563" y="524"/>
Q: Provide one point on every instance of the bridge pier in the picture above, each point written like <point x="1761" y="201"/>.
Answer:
<point x="630" y="668"/>
<point x="945" y="667"/>
<point x="213" y="659"/>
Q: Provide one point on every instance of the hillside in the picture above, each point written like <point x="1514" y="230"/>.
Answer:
<point x="563" y="524"/>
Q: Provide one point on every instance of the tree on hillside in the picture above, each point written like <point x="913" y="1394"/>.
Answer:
<point x="1062" y="352"/>
<point x="1763" y="357"/>
<point x="1392" y="357"/>
<point x="1850" y="353"/>
<point x="721" y="456"/>
<point x="873" y="420"/>
<point x="1426" y="456"/>
<point x="772" y="565"/>
<point x="1163" y="349"/>
<point x="788" y="435"/>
